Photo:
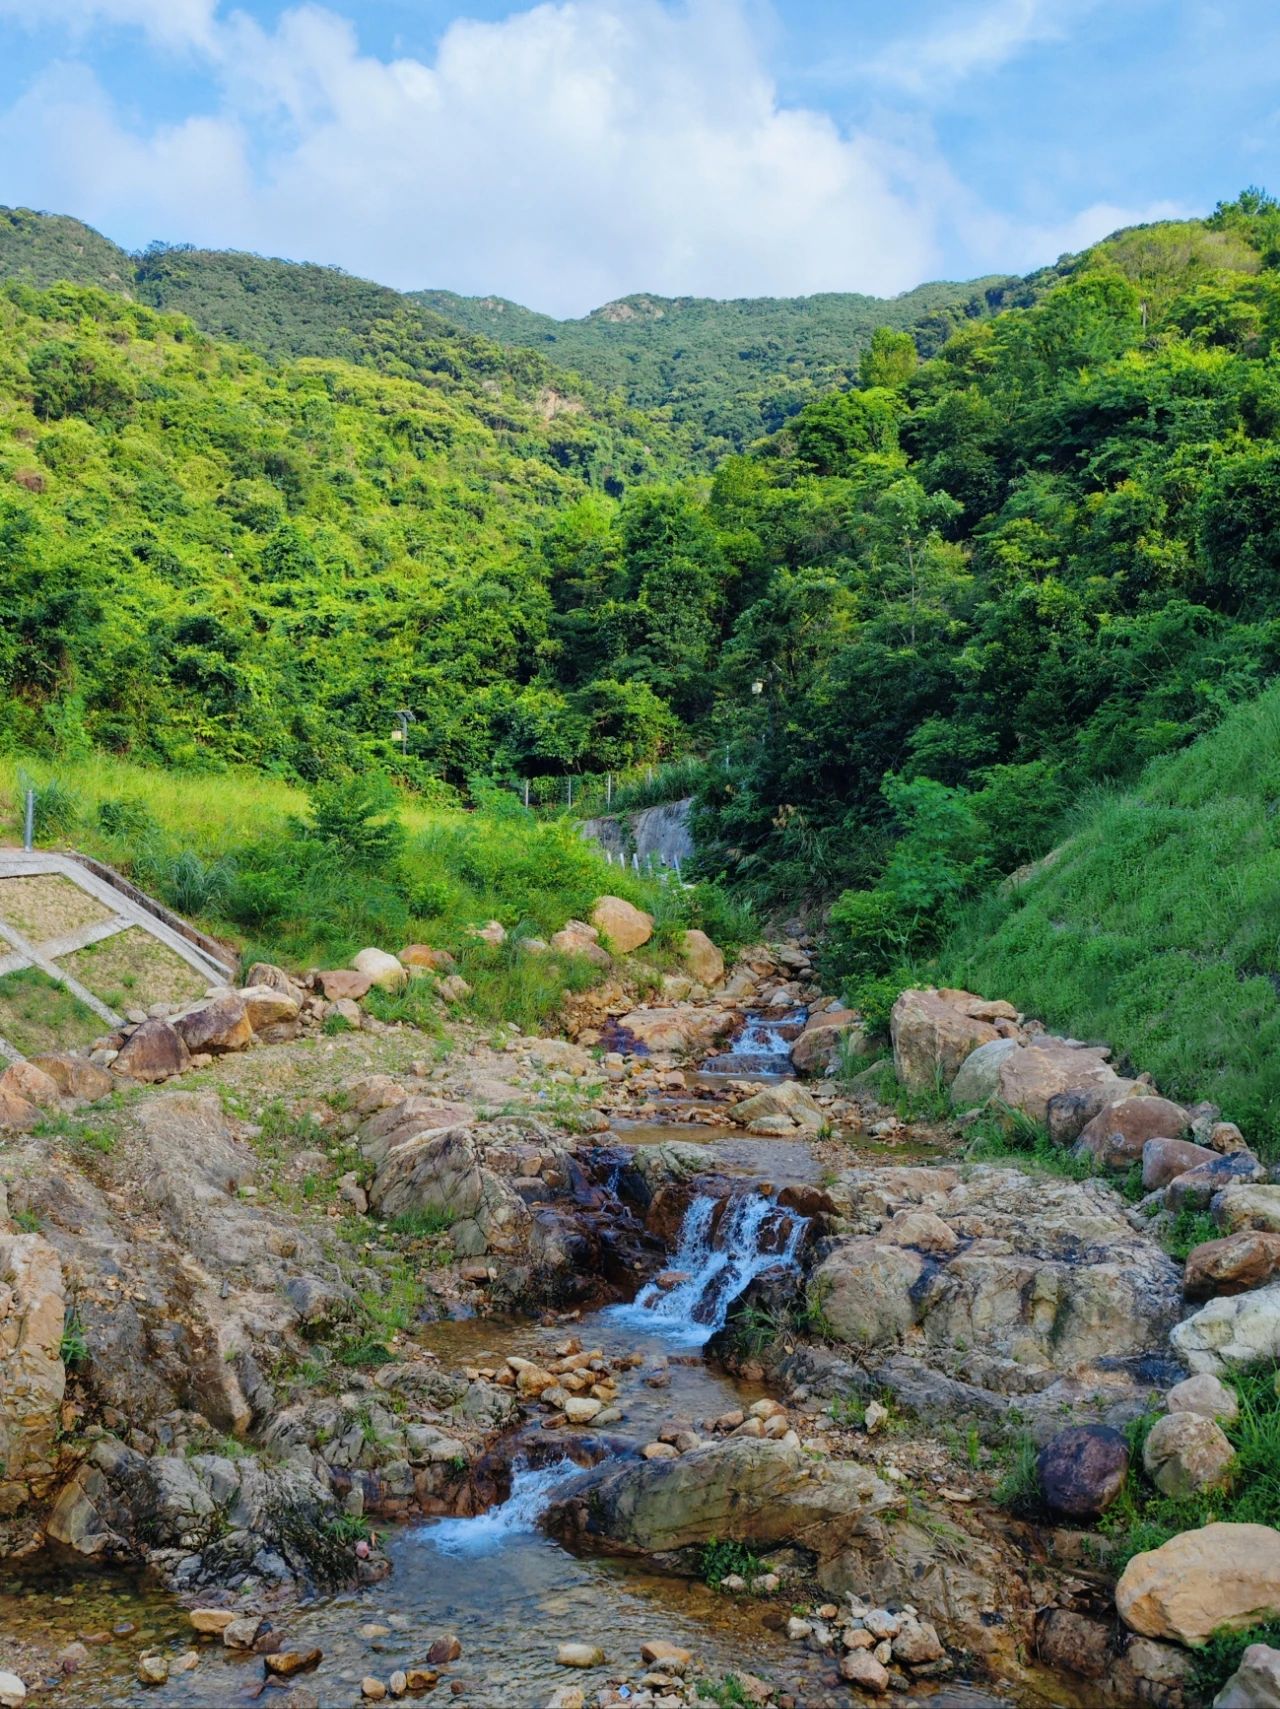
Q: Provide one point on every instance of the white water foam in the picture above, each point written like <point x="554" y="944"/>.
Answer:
<point x="532" y="1492"/>
<point x="752" y="1234"/>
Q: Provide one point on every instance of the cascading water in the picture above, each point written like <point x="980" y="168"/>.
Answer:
<point x="532" y="1491"/>
<point x="763" y="1047"/>
<point x="719" y="1259"/>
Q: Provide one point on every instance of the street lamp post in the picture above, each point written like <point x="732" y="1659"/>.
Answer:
<point x="404" y="717"/>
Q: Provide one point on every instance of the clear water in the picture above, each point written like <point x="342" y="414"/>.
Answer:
<point x="762" y="1049"/>
<point x="533" y="1489"/>
<point x="721" y="1258"/>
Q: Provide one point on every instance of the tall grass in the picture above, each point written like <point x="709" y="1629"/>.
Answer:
<point x="1157" y="927"/>
<point x="233" y="851"/>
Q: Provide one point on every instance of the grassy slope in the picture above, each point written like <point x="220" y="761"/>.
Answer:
<point x="1157" y="926"/>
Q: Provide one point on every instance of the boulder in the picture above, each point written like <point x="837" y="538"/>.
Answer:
<point x="343" y="984"/>
<point x="381" y="969"/>
<point x="976" y="1081"/>
<point x="932" y="1035"/>
<point x="1247" y="1206"/>
<point x="1068" y="1113"/>
<point x="422" y="955"/>
<point x="17" y="1113"/>
<point x="921" y="1229"/>
<point x="870" y="1291"/>
<point x="820" y="1042"/>
<point x="1163" y="1160"/>
<point x="32" y="1378"/>
<point x="442" y="1171"/>
<point x="686" y="1032"/>
<point x="26" y="1080"/>
<point x="13" y="1693"/>
<point x="75" y="1076"/>
<point x="787" y="1099"/>
<point x="266" y="1006"/>
<point x="1205" y="1395"/>
<point x="1117" y="1134"/>
<point x="493" y="932"/>
<point x="1231" y="1265"/>
<point x="154" y="1051"/>
<point x="1082" y="1470"/>
<point x="623" y="926"/>
<point x="1256" y="1682"/>
<point x="1196" y="1188"/>
<point x="1225" y="1136"/>
<point x="1232" y="1332"/>
<point x="274" y="978"/>
<point x="219" y="1026"/>
<point x="1220" y="1577"/>
<point x="702" y="958"/>
<point x="1027" y="1078"/>
<point x="1186" y="1453"/>
<point x="576" y="937"/>
<point x="1046" y="1276"/>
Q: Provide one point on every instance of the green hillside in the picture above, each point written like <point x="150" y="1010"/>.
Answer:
<point x="209" y="557"/>
<point x="1157" y="926"/>
<point x="727" y="372"/>
<point x="41" y="249"/>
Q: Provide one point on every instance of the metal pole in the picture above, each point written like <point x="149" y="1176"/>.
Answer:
<point x="608" y="789"/>
<point x="526" y="791"/>
<point x="29" y="821"/>
<point x="569" y="780"/>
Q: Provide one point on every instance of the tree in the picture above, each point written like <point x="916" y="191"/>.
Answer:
<point x="889" y="360"/>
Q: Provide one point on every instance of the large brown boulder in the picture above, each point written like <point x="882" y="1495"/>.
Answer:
<point x="1231" y="1265"/>
<point x="702" y="958"/>
<point x="75" y="1076"/>
<point x="576" y="937"/>
<point x="344" y="984"/>
<point x="1068" y="1113"/>
<point x="788" y="1100"/>
<point x="1117" y="1134"/>
<point x="820" y="1042"/>
<point x="219" y="1026"/>
<point x="933" y="1031"/>
<point x="155" y="1051"/>
<point x="32" y="1378"/>
<point x="687" y="1032"/>
<point x="623" y="926"/>
<point x="1163" y="1160"/>
<point x="1028" y="1078"/>
<point x="422" y="955"/>
<point x="18" y="1113"/>
<point x="26" y="1080"/>
<point x="1220" y="1577"/>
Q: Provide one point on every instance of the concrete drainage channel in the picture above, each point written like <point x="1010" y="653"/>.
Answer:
<point x="104" y="945"/>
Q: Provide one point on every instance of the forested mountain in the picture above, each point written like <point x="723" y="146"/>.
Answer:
<point x="206" y="556"/>
<point x="728" y="372"/>
<point x="921" y="616"/>
<point x="722" y="373"/>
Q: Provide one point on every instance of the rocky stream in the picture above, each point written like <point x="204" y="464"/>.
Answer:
<point x="625" y="1367"/>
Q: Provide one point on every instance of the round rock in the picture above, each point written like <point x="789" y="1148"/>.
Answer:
<point x="1082" y="1470"/>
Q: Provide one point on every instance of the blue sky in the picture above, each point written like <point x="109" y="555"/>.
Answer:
<point x="570" y="152"/>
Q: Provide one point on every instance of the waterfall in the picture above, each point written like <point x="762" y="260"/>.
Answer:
<point x="762" y="1047"/>
<point x="532" y="1491"/>
<point x="720" y="1259"/>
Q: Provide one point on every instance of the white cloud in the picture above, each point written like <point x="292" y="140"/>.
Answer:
<point x="567" y="154"/>
<point x="171" y="23"/>
<point x="979" y="39"/>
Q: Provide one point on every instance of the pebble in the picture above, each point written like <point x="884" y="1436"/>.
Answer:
<point x="398" y="1684"/>
<point x="862" y="1669"/>
<point x="446" y="1649"/>
<point x="152" y="1670"/>
<point x="372" y="1688"/>
<point x="580" y="1655"/>
<point x="285" y="1663"/>
<point x="211" y="1619"/>
<point x="12" y="1691"/>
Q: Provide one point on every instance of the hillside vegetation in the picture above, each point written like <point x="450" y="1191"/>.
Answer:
<point x="207" y="557"/>
<point x="1156" y="926"/>
<point x="726" y="373"/>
